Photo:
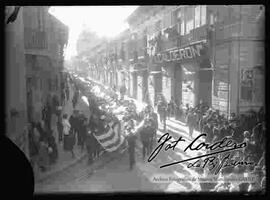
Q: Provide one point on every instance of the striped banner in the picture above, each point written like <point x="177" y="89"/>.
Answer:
<point x="111" y="139"/>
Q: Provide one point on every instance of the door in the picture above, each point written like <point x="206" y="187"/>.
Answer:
<point x="205" y="86"/>
<point x="177" y="94"/>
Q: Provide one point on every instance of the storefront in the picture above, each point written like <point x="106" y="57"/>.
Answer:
<point x="189" y="80"/>
<point x="238" y="84"/>
<point x="186" y="76"/>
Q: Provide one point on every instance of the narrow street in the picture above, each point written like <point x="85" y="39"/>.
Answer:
<point x="87" y="94"/>
<point x="114" y="175"/>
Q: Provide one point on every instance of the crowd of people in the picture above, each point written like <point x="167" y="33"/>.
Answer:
<point x="249" y="127"/>
<point x="43" y="134"/>
<point x="143" y="126"/>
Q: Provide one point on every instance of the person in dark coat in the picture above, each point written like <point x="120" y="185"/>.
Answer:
<point x="55" y="104"/>
<point x="162" y="111"/>
<point x="68" y="135"/>
<point x="82" y="131"/>
<point x="224" y="131"/>
<point x="90" y="144"/>
<point x="131" y="138"/>
<point x="238" y="132"/>
<point x="67" y="92"/>
<point x="207" y="129"/>
<point x="75" y="98"/>
<point x="60" y="129"/>
<point x="53" y="151"/>
<point x="170" y="109"/>
<point x="154" y="127"/>
<point x="191" y="122"/>
<point x="93" y="128"/>
<point x="33" y="143"/>
<point x="146" y="136"/>
<point x="74" y="122"/>
<point x="47" y="115"/>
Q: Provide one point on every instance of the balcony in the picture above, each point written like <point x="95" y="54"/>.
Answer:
<point x="35" y="39"/>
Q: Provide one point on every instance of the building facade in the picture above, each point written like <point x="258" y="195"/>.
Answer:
<point x="193" y="53"/>
<point x="45" y="38"/>
<point x="35" y="43"/>
<point x="15" y="96"/>
<point x="209" y="53"/>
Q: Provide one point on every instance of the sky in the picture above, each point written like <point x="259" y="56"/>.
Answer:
<point x="106" y="21"/>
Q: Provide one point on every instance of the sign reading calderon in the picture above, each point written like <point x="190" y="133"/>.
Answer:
<point x="180" y="54"/>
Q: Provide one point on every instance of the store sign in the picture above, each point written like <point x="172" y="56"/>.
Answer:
<point x="180" y="54"/>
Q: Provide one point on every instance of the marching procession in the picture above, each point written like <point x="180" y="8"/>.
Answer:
<point x="173" y="101"/>
<point x="117" y="124"/>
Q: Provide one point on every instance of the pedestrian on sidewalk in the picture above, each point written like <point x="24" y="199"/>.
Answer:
<point x="67" y="92"/>
<point x="146" y="135"/>
<point x="34" y="137"/>
<point x="207" y="129"/>
<point x="53" y="151"/>
<point x="43" y="159"/>
<point x="54" y="126"/>
<point x="47" y="114"/>
<point x="162" y="108"/>
<point x="187" y="110"/>
<point x="82" y="132"/>
<point x="75" y="98"/>
<point x="131" y="138"/>
<point x="60" y="128"/>
<point x="90" y="144"/>
<point x="68" y="135"/>
<point x="191" y="122"/>
<point x="154" y="127"/>
<point x="74" y="122"/>
<point x="170" y="108"/>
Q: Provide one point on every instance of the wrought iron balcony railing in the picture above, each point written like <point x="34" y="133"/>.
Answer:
<point x="35" y="39"/>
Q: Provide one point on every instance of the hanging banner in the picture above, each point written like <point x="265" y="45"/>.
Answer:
<point x="181" y="54"/>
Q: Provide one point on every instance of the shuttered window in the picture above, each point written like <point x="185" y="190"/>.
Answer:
<point x="197" y="16"/>
<point x="203" y="15"/>
<point x="182" y="20"/>
<point x="189" y="19"/>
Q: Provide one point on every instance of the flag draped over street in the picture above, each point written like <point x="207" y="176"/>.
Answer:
<point x="111" y="139"/>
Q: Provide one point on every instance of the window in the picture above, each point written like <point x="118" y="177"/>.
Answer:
<point x="183" y="27"/>
<point x="211" y="18"/>
<point x="203" y="15"/>
<point x="197" y="16"/>
<point x="189" y="26"/>
<point x="246" y="93"/>
<point x="189" y="19"/>
<point x="246" y="84"/>
<point x="181" y="19"/>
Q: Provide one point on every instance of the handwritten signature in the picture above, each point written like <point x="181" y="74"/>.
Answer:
<point x="219" y="147"/>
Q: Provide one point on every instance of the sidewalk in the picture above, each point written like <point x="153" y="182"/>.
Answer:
<point x="65" y="159"/>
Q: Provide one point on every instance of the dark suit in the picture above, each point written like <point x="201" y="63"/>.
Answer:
<point x="131" y="149"/>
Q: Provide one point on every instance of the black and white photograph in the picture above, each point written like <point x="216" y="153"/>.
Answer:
<point x="150" y="98"/>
